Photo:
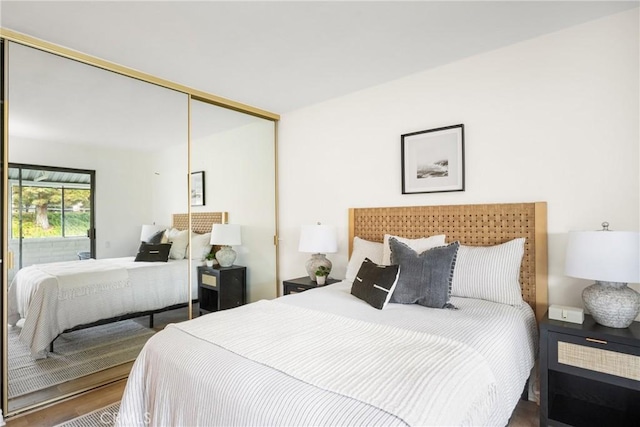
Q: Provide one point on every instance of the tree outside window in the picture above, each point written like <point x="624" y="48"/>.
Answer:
<point x="50" y="211"/>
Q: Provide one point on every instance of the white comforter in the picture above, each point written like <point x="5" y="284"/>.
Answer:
<point x="272" y="370"/>
<point x="58" y="296"/>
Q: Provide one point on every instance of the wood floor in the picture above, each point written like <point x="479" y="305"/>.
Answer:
<point x="71" y="408"/>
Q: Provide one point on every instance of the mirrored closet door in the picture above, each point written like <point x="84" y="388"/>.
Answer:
<point x="140" y="139"/>
<point x="236" y="153"/>
<point x="131" y="137"/>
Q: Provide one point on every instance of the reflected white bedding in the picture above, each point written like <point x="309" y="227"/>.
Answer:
<point x="54" y="297"/>
<point x="233" y="368"/>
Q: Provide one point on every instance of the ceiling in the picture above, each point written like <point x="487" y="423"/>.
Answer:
<point x="282" y="56"/>
<point x="55" y="100"/>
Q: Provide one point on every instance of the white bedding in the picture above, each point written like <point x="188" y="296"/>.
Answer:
<point x="54" y="297"/>
<point x="224" y="384"/>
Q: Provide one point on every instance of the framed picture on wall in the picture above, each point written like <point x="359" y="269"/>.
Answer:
<point x="433" y="160"/>
<point x="197" y="188"/>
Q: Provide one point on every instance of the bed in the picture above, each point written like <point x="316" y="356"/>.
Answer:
<point x="49" y="299"/>
<point x="326" y="357"/>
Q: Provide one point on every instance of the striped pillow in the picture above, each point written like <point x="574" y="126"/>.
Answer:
<point x="490" y="273"/>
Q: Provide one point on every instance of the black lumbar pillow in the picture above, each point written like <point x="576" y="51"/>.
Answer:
<point x="375" y="283"/>
<point x="153" y="253"/>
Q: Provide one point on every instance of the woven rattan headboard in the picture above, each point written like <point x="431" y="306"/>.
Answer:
<point x="473" y="225"/>
<point x="201" y="222"/>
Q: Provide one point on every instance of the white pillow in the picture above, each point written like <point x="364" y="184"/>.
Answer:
<point x="200" y="245"/>
<point x="419" y="245"/>
<point x="179" y="241"/>
<point x="490" y="273"/>
<point x="362" y="249"/>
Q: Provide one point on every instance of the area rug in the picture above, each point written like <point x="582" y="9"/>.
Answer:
<point x="75" y="355"/>
<point x="103" y="417"/>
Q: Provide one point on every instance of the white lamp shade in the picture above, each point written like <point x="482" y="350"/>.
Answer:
<point x="605" y="256"/>
<point x="226" y="234"/>
<point x="149" y="230"/>
<point x="318" y="239"/>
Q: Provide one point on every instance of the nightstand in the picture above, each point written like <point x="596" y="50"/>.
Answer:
<point x="220" y="288"/>
<point x="589" y="374"/>
<point x="301" y="284"/>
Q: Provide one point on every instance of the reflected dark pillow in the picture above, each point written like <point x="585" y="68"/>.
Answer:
<point x="153" y="253"/>
<point x="156" y="238"/>
<point x="375" y="283"/>
<point x="425" y="278"/>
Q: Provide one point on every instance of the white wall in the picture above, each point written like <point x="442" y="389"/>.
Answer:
<point x="123" y="199"/>
<point x="552" y="119"/>
<point x="169" y="190"/>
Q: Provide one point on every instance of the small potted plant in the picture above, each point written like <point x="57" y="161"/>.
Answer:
<point x="208" y="260"/>
<point x="321" y="274"/>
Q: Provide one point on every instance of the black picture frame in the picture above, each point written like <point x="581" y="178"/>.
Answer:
<point x="197" y="189"/>
<point x="433" y="160"/>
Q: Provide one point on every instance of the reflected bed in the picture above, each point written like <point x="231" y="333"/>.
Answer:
<point x="48" y="299"/>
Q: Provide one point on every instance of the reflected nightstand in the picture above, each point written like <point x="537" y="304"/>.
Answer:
<point x="220" y="288"/>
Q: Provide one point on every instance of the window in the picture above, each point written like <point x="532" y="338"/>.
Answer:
<point x="50" y="211"/>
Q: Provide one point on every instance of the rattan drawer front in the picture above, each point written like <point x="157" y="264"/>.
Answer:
<point x="210" y="280"/>
<point x="595" y="359"/>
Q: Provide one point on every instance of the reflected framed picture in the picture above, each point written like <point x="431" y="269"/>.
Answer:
<point x="433" y="160"/>
<point x="197" y="188"/>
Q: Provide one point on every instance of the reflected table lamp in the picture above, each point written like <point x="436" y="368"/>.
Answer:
<point x="226" y="235"/>
<point x="318" y="240"/>
<point x="612" y="259"/>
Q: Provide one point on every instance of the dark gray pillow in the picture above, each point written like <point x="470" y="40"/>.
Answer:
<point x="153" y="253"/>
<point x="425" y="278"/>
<point x="156" y="238"/>
<point x="375" y="283"/>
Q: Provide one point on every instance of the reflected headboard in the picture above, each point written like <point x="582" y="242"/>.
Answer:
<point x="472" y="225"/>
<point x="201" y="222"/>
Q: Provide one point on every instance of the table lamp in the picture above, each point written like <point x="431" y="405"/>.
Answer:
<point x="226" y="235"/>
<point x="318" y="239"/>
<point x="612" y="259"/>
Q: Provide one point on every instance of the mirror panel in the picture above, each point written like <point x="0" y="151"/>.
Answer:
<point x="236" y="151"/>
<point x="134" y="135"/>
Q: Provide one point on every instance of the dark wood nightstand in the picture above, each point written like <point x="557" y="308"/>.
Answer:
<point x="589" y="374"/>
<point x="220" y="288"/>
<point x="301" y="284"/>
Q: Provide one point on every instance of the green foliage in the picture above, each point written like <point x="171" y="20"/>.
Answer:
<point x="322" y="271"/>
<point x="76" y="224"/>
<point x="49" y="200"/>
<point x="37" y="196"/>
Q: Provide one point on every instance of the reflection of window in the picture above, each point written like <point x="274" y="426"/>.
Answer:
<point x="50" y="211"/>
